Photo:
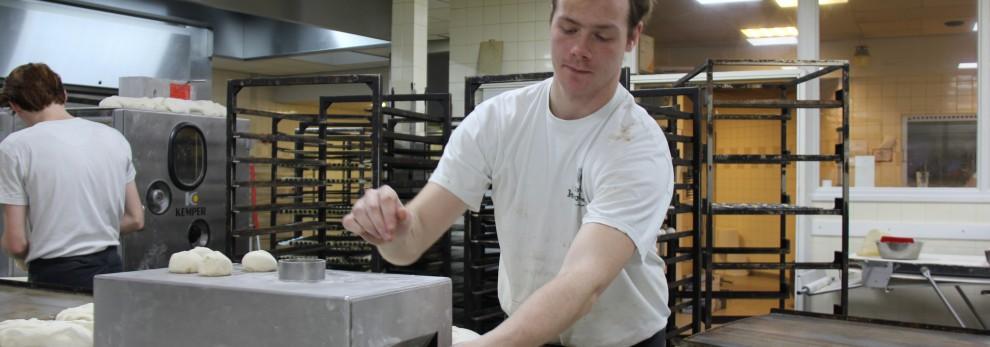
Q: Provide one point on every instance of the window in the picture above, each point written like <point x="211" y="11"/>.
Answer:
<point x="940" y="151"/>
<point x="909" y="61"/>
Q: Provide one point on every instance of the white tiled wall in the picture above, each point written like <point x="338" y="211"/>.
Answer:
<point x="522" y="26"/>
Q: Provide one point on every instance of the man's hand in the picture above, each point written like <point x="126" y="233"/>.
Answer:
<point x="379" y="217"/>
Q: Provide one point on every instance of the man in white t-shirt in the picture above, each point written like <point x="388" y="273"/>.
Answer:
<point x="581" y="180"/>
<point x="66" y="185"/>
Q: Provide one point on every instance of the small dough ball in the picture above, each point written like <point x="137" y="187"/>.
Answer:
<point x="37" y="333"/>
<point x="259" y="261"/>
<point x="201" y="251"/>
<point x="215" y="264"/>
<point x="185" y="262"/>
<point x="460" y="335"/>
<point x="84" y="312"/>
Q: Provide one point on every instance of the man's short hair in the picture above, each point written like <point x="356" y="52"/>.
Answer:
<point x="32" y="87"/>
<point x="639" y="11"/>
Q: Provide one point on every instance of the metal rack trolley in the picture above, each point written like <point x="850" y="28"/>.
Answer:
<point x="407" y="159"/>
<point x="307" y="205"/>
<point x="784" y="207"/>
<point x="673" y="107"/>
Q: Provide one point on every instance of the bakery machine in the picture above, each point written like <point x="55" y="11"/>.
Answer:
<point x="179" y="162"/>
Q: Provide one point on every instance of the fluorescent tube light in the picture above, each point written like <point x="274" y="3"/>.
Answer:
<point x="770" y="32"/>
<point x="769" y="41"/>
<point x="718" y="2"/>
<point x="794" y="3"/>
<point x="965" y="66"/>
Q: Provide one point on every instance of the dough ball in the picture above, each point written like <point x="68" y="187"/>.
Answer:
<point x="41" y="333"/>
<point x="259" y="261"/>
<point x="84" y="313"/>
<point x="460" y="335"/>
<point x="185" y="262"/>
<point x="215" y="264"/>
<point x="201" y="251"/>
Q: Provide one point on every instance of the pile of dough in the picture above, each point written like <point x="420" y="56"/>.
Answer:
<point x="185" y="262"/>
<point x="215" y="264"/>
<point x="460" y="335"/>
<point x="188" y="262"/>
<point x="259" y="261"/>
<point x="71" y="327"/>
<point x="203" y="107"/>
<point x="83" y="312"/>
<point x="201" y="251"/>
<point x="40" y="333"/>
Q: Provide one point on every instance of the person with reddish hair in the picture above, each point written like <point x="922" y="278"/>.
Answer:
<point x="66" y="185"/>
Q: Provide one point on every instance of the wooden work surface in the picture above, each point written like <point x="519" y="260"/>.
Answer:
<point x="785" y="330"/>
<point x="22" y="302"/>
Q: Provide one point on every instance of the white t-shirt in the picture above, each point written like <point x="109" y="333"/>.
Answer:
<point x="533" y="161"/>
<point x="71" y="174"/>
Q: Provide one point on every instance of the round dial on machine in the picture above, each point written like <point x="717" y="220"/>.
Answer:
<point x="187" y="156"/>
<point x="199" y="233"/>
<point x="158" y="198"/>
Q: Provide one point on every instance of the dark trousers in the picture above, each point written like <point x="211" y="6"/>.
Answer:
<point x="657" y="340"/>
<point x="74" y="272"/>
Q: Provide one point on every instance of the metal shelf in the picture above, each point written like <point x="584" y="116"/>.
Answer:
<point x="279" y="138"/>
<point x="685" y="145"/>
<point x="283" y="228"/>
<point x="771" y="209"/>
<point x="774" y="266"/>
<point x="783" y="103"/>
<point x="779" y="99"/>
<point x="666" y="112"/>
<point x="771" y="158"/>
<point x="284" y="206"/>
<point x="752" y="117"/>
<point x="300" y="163"/>
<point x="411" y="115"/>
<point x="673" y="236"/>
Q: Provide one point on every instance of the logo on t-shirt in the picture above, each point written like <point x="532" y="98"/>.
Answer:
<point x="576" y="191"/>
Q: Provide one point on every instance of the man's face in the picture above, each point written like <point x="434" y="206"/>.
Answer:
<point x="588" y="39"/>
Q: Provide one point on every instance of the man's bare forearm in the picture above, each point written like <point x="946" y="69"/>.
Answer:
<point x="548" y="312"/>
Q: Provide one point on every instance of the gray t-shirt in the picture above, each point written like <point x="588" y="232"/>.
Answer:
<point x="534" y="161"/>
<point x="71" y="174"/>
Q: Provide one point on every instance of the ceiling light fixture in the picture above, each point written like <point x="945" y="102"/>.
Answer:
<point x="794" y="3"/>
<point x="770" y="41"/>
<point x="770" y="32"/>
<point x="719" y="2"/>
<point x="771" y="36"/>
<point x="967" y="66"/>
<point x="861" y="57"/>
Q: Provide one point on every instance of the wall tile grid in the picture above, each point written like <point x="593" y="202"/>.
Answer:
<point x="522" y="26"/>
<point x="878" y="105"/>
